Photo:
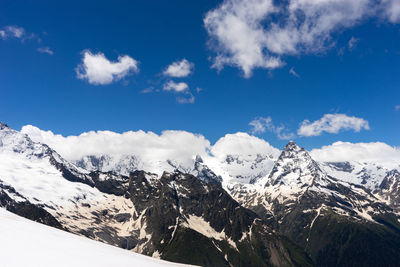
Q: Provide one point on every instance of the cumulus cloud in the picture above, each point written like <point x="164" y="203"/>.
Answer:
<point x="98" y="70"/>
<point x="179" y="69"/>
<point x="242" y="144"/>
<point x="392" y="10"/>
<point x="185" y="96"/>
<point x="175" y="87"/>
<point x="332" y="123"/>
<point x="152" y="149"/>
<point x="238" y="37"/>
<point x="261" y="125"/>
<point x="45" y="50"/>
<point x="182" y="147"/>
<point x="252" y="34"/>
<point x="376" y="152"/>
<point x="179" y="146"/>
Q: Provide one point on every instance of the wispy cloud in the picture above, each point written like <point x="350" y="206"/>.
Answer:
<point x="179" y="69"/>
<point x="148" y="90"/>
<point x="294" y="73"/>
<point x="332" y="123"/>
<point x="353" y="43"/>
<point x="45" y="50"/>
<point x="397" y="107"/>
<point x="261" y="125"/>
<point x="12" y="31"/>
<point x="188" y="98"/>
<point x="250" y="34"/>
<point x="98" y="70"/>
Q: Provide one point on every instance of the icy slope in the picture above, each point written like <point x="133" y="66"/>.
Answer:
<point x="36" y="172"/>
<point x="47" y="246"/>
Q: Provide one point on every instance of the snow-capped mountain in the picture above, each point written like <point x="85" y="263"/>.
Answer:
<point x="221" y="209"/>
<point x="156" y="215"/>
<point x="294" y="175"/>
<point x="122" y="164"/>
<point x="301" y="198"/>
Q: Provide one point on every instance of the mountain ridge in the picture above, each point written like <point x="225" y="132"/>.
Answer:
<point x="268" y="219"/>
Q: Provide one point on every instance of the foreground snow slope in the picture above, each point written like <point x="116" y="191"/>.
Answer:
<point x="47" y="246"/>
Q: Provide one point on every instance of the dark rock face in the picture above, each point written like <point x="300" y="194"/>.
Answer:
<point x="341" y="166"/>
<point x="171" y="201"/>
<point x="204" y="173"/>
<point x="336" y="223"/>
<point x="390" y="189"/>
<point x="111" y="183"/>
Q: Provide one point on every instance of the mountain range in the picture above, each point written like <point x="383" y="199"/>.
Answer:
<point x="270" y="208"/>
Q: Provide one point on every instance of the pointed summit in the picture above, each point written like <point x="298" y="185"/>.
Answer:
<point x="292" y="146"/>
<point x="292" y="150"/>
<point x="294" y="168"/>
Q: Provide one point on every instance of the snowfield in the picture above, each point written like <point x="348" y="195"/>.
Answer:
<point x="28" y="243"/>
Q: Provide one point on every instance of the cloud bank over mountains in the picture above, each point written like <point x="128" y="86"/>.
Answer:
<point x="182" y="146"/>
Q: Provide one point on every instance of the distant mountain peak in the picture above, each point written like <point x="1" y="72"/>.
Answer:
<point x="294" y="168"/>
<point x="293" y="147"/>
<point x="3" y="125"/>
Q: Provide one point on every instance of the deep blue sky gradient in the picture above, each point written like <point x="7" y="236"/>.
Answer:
<point x="43" y="90"/>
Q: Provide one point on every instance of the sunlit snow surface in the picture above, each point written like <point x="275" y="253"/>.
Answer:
<point x="27" y="243"/>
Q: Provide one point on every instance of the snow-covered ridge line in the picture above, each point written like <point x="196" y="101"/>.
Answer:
<point x="237" y="157"/>
<point x="234" y="159"/>
<point x="50" y="247"/>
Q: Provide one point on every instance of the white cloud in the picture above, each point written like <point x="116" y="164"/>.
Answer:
<point x="182" y="147"/>
<point x="151" y="148"/>
<point x="188" y="99"/>
<point x="392" y="10"/>
<point x="353" y="43"/>
<point x="98" y="70"/>
<point x="237" y="35"/>
<point x="294" y="73"/>
<point x="261" y="125"/>
<point x="45" y="50"/>
<point x="242" y="144"/>
<point x="175" y="87"/>
<point x="376" y="152"/>
<point x="12" y="31"/>
<point x="252" y="34"/>
<point x="332" y="123"/>
<point x="397" y="107"/>
<point x="179" y="69"/>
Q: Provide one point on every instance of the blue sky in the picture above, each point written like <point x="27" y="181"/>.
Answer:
<point x="360" y="80"/>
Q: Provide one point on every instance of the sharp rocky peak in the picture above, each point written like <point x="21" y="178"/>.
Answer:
<point x="294" y="167"/>
<point x="292" y="148"/>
